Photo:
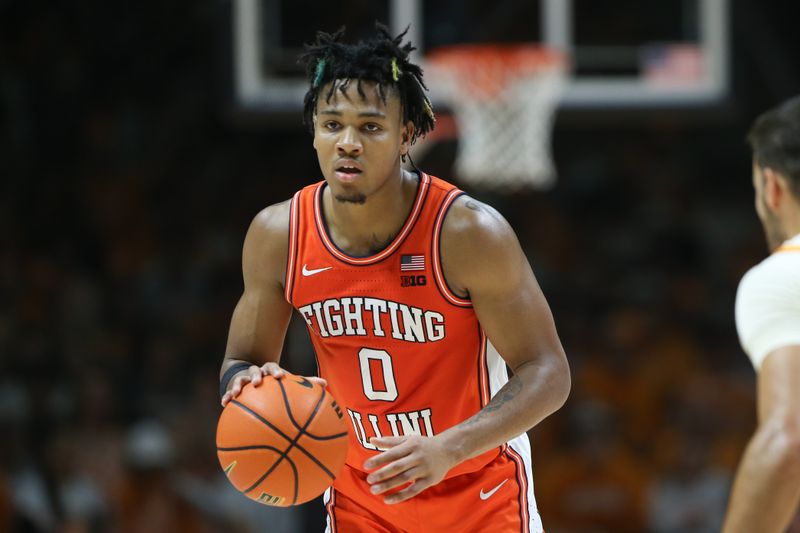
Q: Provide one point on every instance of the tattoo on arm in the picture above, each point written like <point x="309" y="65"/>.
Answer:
<point x="509" y="391"/>
<point x="475" y="206"/>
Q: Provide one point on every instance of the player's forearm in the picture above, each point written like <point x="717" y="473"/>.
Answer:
<point x="535" y="391"/>
<point x="766" y="492"/>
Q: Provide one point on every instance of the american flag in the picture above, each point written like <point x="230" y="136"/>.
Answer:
<point x="412" y="262"/>
<point x="673" y="64"/>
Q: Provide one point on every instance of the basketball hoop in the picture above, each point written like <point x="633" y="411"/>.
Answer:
<point x="504" y="99"/>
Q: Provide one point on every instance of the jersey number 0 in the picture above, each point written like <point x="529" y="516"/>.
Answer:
<point x="365" y="355"/>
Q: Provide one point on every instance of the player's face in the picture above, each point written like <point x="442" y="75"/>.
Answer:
<point x="769" y="220"/>
<point x="359" y="139"/>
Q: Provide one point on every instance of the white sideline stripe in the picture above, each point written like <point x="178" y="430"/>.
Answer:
<point x="498" y="376"/>
<point x="326" y="498"/>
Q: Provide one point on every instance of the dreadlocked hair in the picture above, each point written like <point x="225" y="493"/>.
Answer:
<point x="382" y="59"/>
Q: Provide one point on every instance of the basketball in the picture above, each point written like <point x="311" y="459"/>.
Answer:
<point x="282" y="443"/>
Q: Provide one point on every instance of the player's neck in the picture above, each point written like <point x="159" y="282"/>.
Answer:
<point x="364" y="229"/>
<point x="790" y="220"/>
<point x="793" y="226"/>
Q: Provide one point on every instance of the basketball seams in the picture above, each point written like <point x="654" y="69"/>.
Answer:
<point x="244" y="448"/>
<point x="313" y="413"/>
<point x="296" y="479"/>
<point x="329" y="437"/>
<point x="269" y="471"/>
<point x="261" y="419"/>
<point x="304" y="429"/>
<point x="282" y="455"/>
<point x="279" y="432"/>
<point x="291" y="442"/>
<point x="310" y="456"/>
<point x="258" y="447"/>
<point x="300" y="433"/>
<point x="289" y="408"/>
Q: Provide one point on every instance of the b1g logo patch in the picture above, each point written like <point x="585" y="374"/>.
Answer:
<point x="413" y="281"/>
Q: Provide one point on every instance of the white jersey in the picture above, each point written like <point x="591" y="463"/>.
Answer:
<point x="768" y="303"/>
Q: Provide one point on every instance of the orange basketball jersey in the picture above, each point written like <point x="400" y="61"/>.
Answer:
<point x="399" y="350"/>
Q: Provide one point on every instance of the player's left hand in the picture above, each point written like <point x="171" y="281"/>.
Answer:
<point x="422" y="461"/>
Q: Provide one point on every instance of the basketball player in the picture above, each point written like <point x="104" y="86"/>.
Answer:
<point x="766" y="492"/>
<point x="407" y="286"/>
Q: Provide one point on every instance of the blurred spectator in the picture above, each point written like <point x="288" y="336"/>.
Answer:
<point x="596" y="485"/>
<point x="687" y="496"/>
<point x="148" y="499"/>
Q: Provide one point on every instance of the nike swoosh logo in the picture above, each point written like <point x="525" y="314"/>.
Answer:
<point x="487" y="495"/>
<point x="305" y="383"/>
<point x="311" y="272"/>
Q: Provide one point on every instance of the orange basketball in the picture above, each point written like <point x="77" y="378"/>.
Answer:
<point x="282" y="443"/>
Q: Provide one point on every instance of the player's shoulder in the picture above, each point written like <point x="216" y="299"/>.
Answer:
<point x="268" y="235"/>
<point x="753" y="284"/>
<point x="477" y="245"/>
<point x="778" y="272"/>
<point x="272" y="218"/>
<point x="475" y="223"/>
<point x="271" y="223"/>
<point x="768" y="287"/>
<point x="768" y="306"/>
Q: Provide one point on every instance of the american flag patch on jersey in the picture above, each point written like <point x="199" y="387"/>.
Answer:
<point x="412" y="262"/>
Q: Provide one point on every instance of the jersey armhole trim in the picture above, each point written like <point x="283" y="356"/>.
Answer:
<point x="294" y="221"/>
<point x="438" y="273"/>
<point x="483" y="369"/>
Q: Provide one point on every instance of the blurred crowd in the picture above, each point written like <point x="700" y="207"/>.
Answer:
<point x="125" y="193"/>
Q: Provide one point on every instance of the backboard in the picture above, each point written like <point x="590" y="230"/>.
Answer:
<point x="623" y="54"/>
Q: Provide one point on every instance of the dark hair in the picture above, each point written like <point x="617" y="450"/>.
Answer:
<point x="382" y="59"/>
<point x="775" y="140"/>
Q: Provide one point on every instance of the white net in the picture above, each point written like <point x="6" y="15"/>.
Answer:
<point x="504" y="101"/>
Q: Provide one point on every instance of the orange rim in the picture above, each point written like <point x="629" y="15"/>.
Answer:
<point x="488" y="68"/>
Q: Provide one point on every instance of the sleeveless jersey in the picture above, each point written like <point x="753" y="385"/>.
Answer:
<point x="401" y="353"/>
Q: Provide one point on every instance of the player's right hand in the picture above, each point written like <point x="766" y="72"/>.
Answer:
<point x="255" y="375"/>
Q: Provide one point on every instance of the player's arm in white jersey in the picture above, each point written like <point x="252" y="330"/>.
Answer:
<point x="482" y="259"/>
<point x="766" y="491"/>
<point x="259" y="322"/>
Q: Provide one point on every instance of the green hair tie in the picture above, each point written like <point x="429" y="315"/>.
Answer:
<point x="429" y="110"/>
<point x="320" y="70"/>
<point x="395" y="70"/>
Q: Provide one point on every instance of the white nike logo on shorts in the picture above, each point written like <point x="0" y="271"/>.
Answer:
<point x="487" y="495"/>
<point x="311" y="272"/>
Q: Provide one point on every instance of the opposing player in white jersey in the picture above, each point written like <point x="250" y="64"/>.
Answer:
<point x="766" y="492"/>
